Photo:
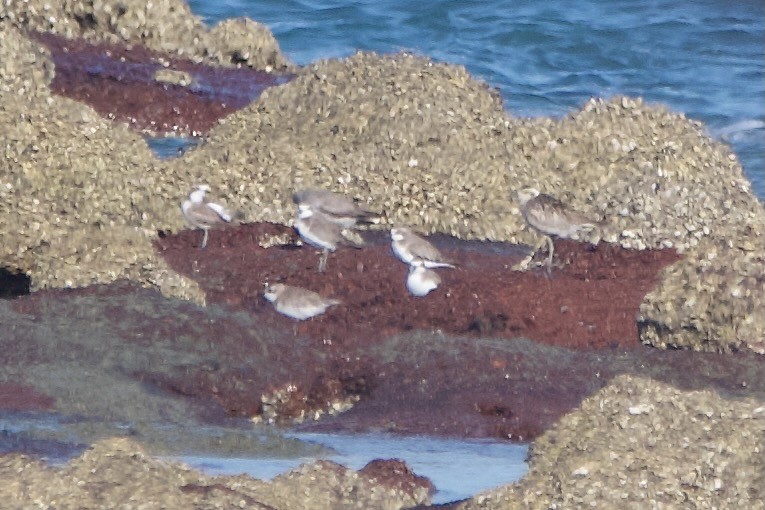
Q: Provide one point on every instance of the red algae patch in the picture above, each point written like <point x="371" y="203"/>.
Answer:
<point x="240" y="358"/>
<point x="590" y="302"/>
<point x="150" y="91"/>
<point x="491" y="353"/>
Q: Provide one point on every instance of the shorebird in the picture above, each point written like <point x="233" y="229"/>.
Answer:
<point x="297" y="302"/>
<point x="421" y="280"/>
<point x="200" y="213"/>
<point x="409" y="246"/>
<point x="337" y="208"/>
<point x="552" y="218"/>
<point x="318" y="231"/>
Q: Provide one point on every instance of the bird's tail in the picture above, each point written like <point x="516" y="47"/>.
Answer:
<point x="224" y="213"/>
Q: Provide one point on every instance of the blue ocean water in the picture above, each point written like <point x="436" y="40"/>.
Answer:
<point x="458" y="468"/>
<point x="705" y="58"/>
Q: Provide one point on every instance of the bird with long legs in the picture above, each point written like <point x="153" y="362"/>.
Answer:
<point x="551" y="218"/>
<point x="202" y="213"/>
<point x="315" y="229"/>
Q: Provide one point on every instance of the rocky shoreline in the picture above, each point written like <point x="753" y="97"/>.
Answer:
<point x="87" y="206"/>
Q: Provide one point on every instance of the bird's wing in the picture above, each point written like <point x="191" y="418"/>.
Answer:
<point x="201" y="215"/>
<point x="319" y="232"/>
<point x="423" y="249"/>
<point x="573" y="216"/>
<point x="221" y="211"/>
<point x="549" y="205"/>
<point x="329" y="202"/>
<point x="339" y="205"/>
<point x="553" y="216"/>
<point x="309" y="298"/>
<point x="326" y="228"/>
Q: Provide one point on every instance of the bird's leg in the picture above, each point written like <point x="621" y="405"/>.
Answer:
<point x="323" y="261"/>
<point x="204" y="238"/>
<point x="551" y="250"/>
<point x="524" y="264"/>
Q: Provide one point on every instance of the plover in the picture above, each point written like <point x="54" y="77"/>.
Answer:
<point x="200" y="213"/>
<point x="552" y="218"/>
<point x="409" y="246"/>
<point x="318" y="231"/>
<point x="297" y="302"/>
<point x="421" y="280"/>
<point x="337" y="208"/>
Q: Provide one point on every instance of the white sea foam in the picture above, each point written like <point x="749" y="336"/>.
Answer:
<point x="741" y="129"/>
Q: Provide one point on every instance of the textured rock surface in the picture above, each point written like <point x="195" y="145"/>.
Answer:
<point x="431" y="147"/>
<point x="589" y="303"/>
<point x="97" y="478"/>
<point x="76" y="201"/>
<point x="167" y="26"/>
<point x="172" y="369"/>
<point x="422" y="142"/>
<point x="81" y="199"/>
<point x="119" y="360"/>
<point x="638" y="443"/>
<point x="713" y="300"/>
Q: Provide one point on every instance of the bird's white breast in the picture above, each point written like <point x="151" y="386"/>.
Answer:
<point x="421" y="281"/>
<point x="402" y="251"/>
<point x="310" y="235"/>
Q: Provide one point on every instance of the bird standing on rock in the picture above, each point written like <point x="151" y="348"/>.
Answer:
<point x="318" y="231"/>
<point x="200" y="213"/>
<point x="409" y="246"/>
<point x="552" y="218"/>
